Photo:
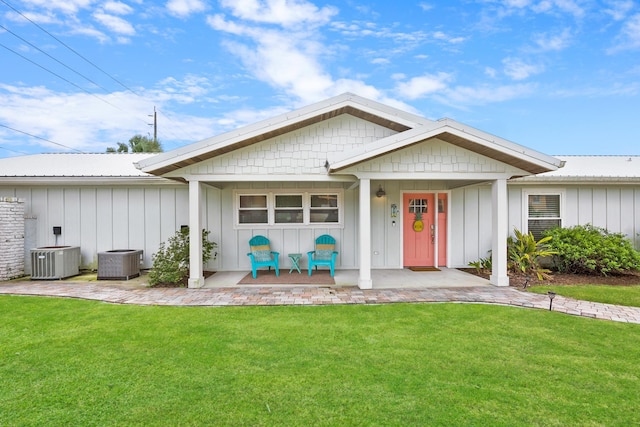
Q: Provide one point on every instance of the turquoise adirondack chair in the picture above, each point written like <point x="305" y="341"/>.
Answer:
<point x="262" y="256"/>
<point x="324" y="254"/>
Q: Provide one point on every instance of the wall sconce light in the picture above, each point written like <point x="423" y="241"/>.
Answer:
<point x="552" y="295"/>
<point x="380" y="192"/>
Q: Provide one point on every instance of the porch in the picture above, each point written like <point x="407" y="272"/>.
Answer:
<point x="381" y="278"/>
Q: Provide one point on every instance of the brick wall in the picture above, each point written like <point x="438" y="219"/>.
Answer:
<point x="11" y="237"/>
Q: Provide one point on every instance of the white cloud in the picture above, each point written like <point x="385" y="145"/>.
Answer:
<point x="286" y="13"/>
<point x="549" y="42"/>
<point x="184" y="8"/>
<point x="117" y="7"/>
<point x="629" y="37"/>
<point x="418" y="87"/>
<point x="81" y="121"/>
<point x="491" y="72"/>
<point x="115" y="23"/>
<point x="466" y="95"/>
<point x="380" y="61"/>
<point x="68" y="7"/>
<point x="426" y="6"/>
<point x="618" y="9"/>
<point x="517" y="69"/>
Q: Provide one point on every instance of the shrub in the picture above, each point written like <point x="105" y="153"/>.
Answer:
<point x="524" y="254"/>
<point x="171" y="262"/>
<point x="589" y="249"/>
<point x="483" y="265"/>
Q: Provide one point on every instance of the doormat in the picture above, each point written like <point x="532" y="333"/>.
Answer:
<point x="424" y="269"/>
<point x="266" y="277"/>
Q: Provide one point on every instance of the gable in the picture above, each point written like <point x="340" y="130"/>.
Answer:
<point x="300" y="152"/>
<point x="402" y="130"/>
<point x="433" y="156"/>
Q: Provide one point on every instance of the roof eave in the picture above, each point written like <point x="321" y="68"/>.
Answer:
<point x="469" y="138"/>
<point x="343" y="104"/>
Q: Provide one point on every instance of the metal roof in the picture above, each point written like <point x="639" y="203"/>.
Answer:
<point x="592" y="168"/>
<point x="74" y="165"/>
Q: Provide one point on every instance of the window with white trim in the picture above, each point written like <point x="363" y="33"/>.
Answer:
<point x="544" y="212"/>
<point x="288" y="208"/>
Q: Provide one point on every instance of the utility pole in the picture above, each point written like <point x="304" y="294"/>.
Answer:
<point x="155" y="125"/>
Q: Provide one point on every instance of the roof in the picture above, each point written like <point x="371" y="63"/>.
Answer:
<point x="74" y="165"/>
<point x="410" y="128"/>
<point x="592" y="169"/>
<point x="460" y="135"/>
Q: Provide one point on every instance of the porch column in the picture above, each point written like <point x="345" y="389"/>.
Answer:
<point x="364" y="281"/>
<point x="196" y="277"/>
<point x="500" y="220"/>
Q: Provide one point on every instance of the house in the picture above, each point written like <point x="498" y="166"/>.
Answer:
<point x="395" y="190"/>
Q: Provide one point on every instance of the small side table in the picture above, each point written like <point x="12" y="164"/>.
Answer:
<point x="295" y="258"/>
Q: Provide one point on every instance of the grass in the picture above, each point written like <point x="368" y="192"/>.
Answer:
<point x="72" y="362"/>
<point x="619" y="295"/>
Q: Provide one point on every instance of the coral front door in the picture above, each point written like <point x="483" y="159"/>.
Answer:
<point x="419" y="229"/>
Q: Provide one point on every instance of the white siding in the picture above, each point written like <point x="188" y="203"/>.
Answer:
<point x="103" y="218"/>
<point x="234" y="241"/>
<point x="615" y="208"/>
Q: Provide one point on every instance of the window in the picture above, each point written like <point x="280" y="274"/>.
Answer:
<point x="324" y="208"/>
<point x="289" y="209"/>
<point x="543" y="212"/>
<point x="253" y="209"/>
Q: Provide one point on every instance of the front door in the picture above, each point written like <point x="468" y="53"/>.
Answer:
<point x="419" y="229"/>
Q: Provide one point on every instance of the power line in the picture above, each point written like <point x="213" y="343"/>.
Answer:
<point x="59" y="76"/>
<point x="59" y="62"/>
<point x="81" y="56"/>
<point x="13" y="151"/>
<point x="70" y="48"/>
<point x="39" y="137"/>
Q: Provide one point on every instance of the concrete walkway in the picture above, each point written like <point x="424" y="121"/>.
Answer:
<point x="126" y="293"/>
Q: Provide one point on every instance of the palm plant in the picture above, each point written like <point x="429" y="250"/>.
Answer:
<point x="524" y="254"/>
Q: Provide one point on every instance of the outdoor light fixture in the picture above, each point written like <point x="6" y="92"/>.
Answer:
<point x="552" y="295"/>
<point x="380" y="192"/>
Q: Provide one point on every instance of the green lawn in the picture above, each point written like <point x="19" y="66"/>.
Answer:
<point x="82" y="363"/>
<point x="619" y="295"/>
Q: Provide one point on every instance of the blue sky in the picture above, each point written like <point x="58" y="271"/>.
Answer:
<point x="558" y="76"/>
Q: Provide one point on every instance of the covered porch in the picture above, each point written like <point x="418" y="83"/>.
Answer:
<point x="381" y="279"/>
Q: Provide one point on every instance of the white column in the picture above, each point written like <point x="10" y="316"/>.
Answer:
<point x="500" y="220"/>
<point x="196" y="277"/>
<point x="364" y="281"/>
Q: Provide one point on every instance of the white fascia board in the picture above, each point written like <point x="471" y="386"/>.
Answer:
<point x="403" y="139"/>
<point x="577" y="180"/>
<point x="507" y="146"/>
<point x="84" y="181"/>
<point x="451" y="176"/>
<point x="270" y="178"/>
<point x="283" y="120"/>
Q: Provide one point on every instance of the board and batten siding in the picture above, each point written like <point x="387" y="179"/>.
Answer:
<point x="234" y="241"/>
<point x="613" y="207"/>
<point x="98" y="218"/>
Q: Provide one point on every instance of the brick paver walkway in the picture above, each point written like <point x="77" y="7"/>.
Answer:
<point x="243" y="296"/>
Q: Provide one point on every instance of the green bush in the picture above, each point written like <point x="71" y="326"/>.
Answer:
<point x="483" y="265"/>
<point x="524" y="254"/>
<point x="588" y="249"/>
<point x="171" y="262"/>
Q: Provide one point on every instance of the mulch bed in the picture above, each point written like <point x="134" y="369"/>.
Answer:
<point x="630" y="279"/>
